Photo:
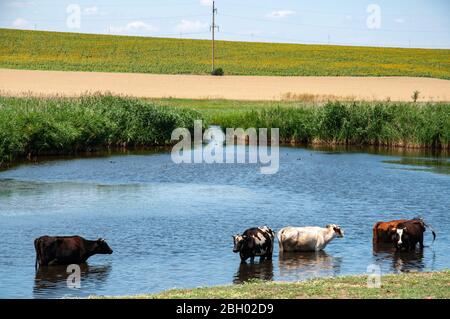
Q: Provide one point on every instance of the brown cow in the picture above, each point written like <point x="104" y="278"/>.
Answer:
<point x="66" y="250"/>
<point x="383" y="231"/>
<point x="409" y="233"/>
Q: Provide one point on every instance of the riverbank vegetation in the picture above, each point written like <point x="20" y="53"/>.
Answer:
<point x="55" y="126"/>
<point x="434" y="285"/>
<point x="389" y="124"/>
<point x="39" y="50"/>
<point x="32" y="126"/>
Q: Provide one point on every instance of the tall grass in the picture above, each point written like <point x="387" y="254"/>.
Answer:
<point x="22" y="49"/>
<point x="358" y="123"/>
<point x="62" y="126"/>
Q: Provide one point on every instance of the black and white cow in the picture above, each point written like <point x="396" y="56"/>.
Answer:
<point x="254" y="242"/>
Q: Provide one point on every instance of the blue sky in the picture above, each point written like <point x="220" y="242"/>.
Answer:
<point x="399" y="23"/>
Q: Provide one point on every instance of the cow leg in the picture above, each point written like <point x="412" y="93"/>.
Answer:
<point x="252" y="259"/>
<point x="244" y="257"/>
<point x="262" y="258"/>
<point x="269" y="254"/>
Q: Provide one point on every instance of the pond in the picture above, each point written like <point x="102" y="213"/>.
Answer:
<point x="170" y="225"/>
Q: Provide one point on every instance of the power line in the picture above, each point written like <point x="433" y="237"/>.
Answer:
<point x="88" y="18"/>
<point x="290" y="40"/>
<point x="327" y="26"/>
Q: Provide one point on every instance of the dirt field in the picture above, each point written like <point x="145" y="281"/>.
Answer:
<point x="18" y="82"/>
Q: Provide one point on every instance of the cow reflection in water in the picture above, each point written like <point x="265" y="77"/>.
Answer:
<point x="53" y="280"/>
<point x="258" y="271"/>
<point x="305" y="265"/>
<point x="400" y="261"/>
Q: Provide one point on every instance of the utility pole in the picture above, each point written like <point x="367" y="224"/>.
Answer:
<point x="213" y="29"/>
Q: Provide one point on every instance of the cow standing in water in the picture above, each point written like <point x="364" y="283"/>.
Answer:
<point x="383" y="231"/>
<point x="66" y="250"/>
<point x="254" y="242"/>
<point x="294" y="239"/>
<point x="410" y="233"/>
<point x="388" y="232"/>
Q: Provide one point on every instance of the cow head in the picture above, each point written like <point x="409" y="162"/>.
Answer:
<point x="102" y="247"/>
<point x="337" y="230"/>
<point x="399" y="236"/>
<point x="238" y="241"/>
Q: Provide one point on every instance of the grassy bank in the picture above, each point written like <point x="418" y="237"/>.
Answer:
<point x="35" y="126"/>
<point x="83" y="52"/>
<point x="411" y="285"/>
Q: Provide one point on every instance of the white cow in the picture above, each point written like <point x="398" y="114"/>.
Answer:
<point x="307" y="238"/>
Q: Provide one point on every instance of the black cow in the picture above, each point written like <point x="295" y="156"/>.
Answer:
<point x="66" y="250"/>
<point x="407" y="234"/>
<point x="254" y="242"/>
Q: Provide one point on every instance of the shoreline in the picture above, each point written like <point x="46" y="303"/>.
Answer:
<point x="399" y="150"/>
<point x="31" y="128"/>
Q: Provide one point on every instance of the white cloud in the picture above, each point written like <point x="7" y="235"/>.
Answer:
<point x="187" y="26"/>
<point x="281" y="14"/>
<point x="20" y="23"/>
<point x="134" y="27"/>
<point x="206" y="3"/>
<point x="399" y="20"/>
<point x="91" y="10"/>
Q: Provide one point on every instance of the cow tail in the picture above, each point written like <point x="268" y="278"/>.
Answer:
<point x="431" y="228"/>
<point x="432" y="231"/>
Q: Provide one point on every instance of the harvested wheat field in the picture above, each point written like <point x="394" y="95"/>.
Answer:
<point x="67" y="83"/>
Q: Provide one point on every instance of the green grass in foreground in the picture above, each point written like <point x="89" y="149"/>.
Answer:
<point x="47" y="126"/>
<point x="411" y="285"/>
<point x="86" y="52"/>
